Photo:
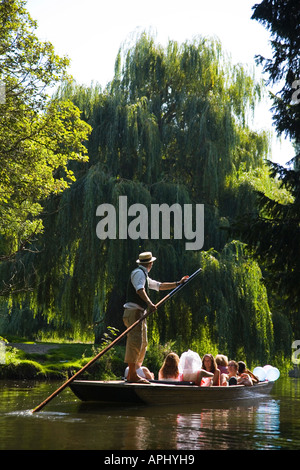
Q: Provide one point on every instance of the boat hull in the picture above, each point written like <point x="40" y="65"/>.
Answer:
<point x="156" y="393"/>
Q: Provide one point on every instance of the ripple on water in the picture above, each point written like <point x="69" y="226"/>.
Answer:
<point x="48" y="415"/>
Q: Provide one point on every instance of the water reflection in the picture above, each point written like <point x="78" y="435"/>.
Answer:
<point x="231" y="428"/>
<point x="268" y="423"/>
<point x="66" y="423"/>
<point x="245" y="426"/>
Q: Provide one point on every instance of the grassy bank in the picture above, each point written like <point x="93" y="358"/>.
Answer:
<point x="49" y="361"/>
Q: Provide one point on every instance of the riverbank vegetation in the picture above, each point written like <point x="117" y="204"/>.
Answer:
<point x="172" y="127"/>
<point x="59" y="360"/>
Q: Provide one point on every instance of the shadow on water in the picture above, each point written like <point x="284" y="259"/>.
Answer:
<point x="145" y="410"/>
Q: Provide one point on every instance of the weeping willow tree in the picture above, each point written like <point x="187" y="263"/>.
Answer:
<point x="171" y="127"/>
<point x="228" y="311"/>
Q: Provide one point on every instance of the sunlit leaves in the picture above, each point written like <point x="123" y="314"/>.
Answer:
<point x="38" y="137"/>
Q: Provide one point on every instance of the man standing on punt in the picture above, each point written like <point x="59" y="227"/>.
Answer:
<point x="137" y="302"/>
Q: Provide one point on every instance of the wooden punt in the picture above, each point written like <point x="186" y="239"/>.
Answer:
<point x="163" y="393"/>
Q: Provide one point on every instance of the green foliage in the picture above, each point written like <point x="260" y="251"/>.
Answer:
<point x="171" y="127"/>
<point x="156" y="354"/>
<point x="38" y="138"/>
<point x="57" y="362"/>
<point x="282" y="18"/>
<point x="228" y="311"/>
<point x="272" y="230"/>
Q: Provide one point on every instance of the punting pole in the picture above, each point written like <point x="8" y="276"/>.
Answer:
<point x="113" y="343"/>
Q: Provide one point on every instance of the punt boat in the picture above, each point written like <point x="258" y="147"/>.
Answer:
<point x="163" y="392"/>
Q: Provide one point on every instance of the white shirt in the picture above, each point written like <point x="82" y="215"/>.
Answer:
<point x="139" y="371"/>
<point x="138" y="281"/>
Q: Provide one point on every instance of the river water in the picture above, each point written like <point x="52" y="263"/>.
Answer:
<point x="272" y="423"/>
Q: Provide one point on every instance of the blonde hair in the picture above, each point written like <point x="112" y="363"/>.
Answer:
<point x="221" y="360"/>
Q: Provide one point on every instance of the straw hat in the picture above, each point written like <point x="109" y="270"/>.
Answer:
<point x="146" y="257"/>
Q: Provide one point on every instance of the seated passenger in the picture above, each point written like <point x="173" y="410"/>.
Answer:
<point x="222" y="363"/>
<point x="191" y="366"/>
<point x="142" y="371"/>
<point x="204" y="378"/>
<point x="169" y="369"/>
<point x="232" y="377"/>
<point x="210" y="365"/>
<point x="245" y="376"/>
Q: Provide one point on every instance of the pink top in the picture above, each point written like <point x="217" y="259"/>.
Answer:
<point x="179" y="378"/>
<point x="206" y="382"/>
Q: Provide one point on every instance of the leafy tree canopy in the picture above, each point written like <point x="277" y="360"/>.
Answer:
<point x="171" y="127"/>
<point x="282" y="19"/>
<point x="38" y="137"/>
<point x="273" y="232"/>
